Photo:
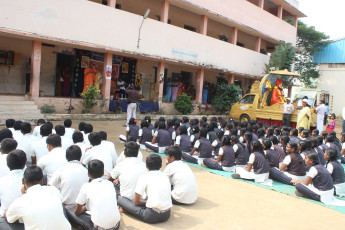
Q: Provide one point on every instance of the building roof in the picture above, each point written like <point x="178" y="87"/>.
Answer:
<point x="333" y="53"/>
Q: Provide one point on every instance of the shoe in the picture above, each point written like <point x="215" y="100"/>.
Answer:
<point x="297" y="193"/>
<point x="236" y="176"/>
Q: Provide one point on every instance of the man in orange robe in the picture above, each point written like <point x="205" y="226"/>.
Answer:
<point x="89" y="76"/>
<point x="277" y="93"/>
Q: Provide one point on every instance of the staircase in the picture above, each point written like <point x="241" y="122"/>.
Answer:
<point x="18" y="108"/>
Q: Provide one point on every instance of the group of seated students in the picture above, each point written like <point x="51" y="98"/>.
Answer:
<point x="58" y="177"/>
<point x="311" y="161"/>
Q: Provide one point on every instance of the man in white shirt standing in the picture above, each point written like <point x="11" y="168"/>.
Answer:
<point x="157" y="188"/>
<point x="39" y="148"/>
<point x="40" y="206"/>
<point x="182" y="179"/>
<point x="320" y="111"/>
<point x="288" y="110"/>
<point x="10" y="186"/>
<point x="55" y="159"/>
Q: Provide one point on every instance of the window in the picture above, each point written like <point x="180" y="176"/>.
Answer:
<point x="191" y="28"/>
<point x="249" y="99"/>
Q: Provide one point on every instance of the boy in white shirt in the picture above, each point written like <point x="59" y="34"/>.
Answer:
<point x="39" y="148"/>
<point x="7" y="146"/>
<point x="126" y="174"/>
<point x="17" y="134"/>
<point x="69" y="131"/>
<point x="11" y="184"/>
<point x="66" y="141"/>
<point x="26" y="141"/>
<point x="40" y="206"/>
<point x="99" y="199"/>
<point x="55" y="159"/>
<point x="109" y="145"/>
<point x="9" y="124"/>
<point x="182" y="179"/>
<point x="88" y="128"/>
<point x="78" y="139"/>
<point x="37" y="129"/>
<point x="157" y="188"/>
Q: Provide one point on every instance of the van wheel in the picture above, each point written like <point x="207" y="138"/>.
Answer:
<point x="244" y="118"/>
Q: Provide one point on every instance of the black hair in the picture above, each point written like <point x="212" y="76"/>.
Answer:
<point x="147" y="119"/>
<point x="234" y="139"/>
<point x="60" y="130"/>
<point x="185" y="119"/>
<point x="324" y="134"/>
<point x="95" y="168"/>
<point x="252" y="122"/>
<point x="319" y="139"/>
<point x="332" y="153"/>
<point x="131" y="149"/>
<point x="183" y="129"/>
<point x="333" y="133"/>
<point x="132" y="121"/>
<point x="67" y="123"/>
<point x="144" y="124"/>
<point x="33" y="175"/>
<point x="81" y="126"/>
<point x="203" y="133"/>
<point x="314" y="157"/>
<point x="210" y="128"/>
<point x="16" y="159"/>
<point x="260" y="132"/>
<point x="54" y="140"/>
<point x="248" y="136"/>
<point x="161" y="125"/>
<point x="277" y="131"/>
<point x="305" y="132"/>
<point x="204" y="119"/>
<point x="285" y="139"/>
<point x="195" y="129"/>
<point x="50" y="124"/>
<point x="274" y="140"/>
<point x="226" y="140"/>
<point x="330" y="138"/>
<point x="77" y="137"/>
<point x="294" y="145"/>
<point x="174" y="151"/>
<point x="95" y="138"/>
<point x="73" y="153"/>
<point x="25" y="127"/>
<point x="269" y="132"/>
<point x="130" y="138"/>
<point x="305" y="145"/>
<point x="266" y="143"/>
<point x="153" y="162"/>
<point x="46" y="130"/>
<point x="8" y="145"/>
<point x="300" y="129"/>
<point x="294" y="132"/>
<point x="342" y="135"/>
<point x="316" y="131"/>
<point x="88" y="128"/>
<point x="255" y="128"/>
<point x="257" y="146"/>
<point x="243" y="131"/>
<point x="260" y="124"/>
<point x="155" y="125"/>
<point x="333" y="114"/>
<point x="17" y="124"/>
<point x="161" y="119"/>
<point x="220" y="134"/>
<point x="5" y="133"/>
<point x="233" y="131"/>
<point x="104" y="135"/>
<point x="9" y="123"/>
<point x="40" y="121"/>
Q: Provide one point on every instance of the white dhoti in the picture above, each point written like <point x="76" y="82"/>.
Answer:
<point x="319" y="120"/>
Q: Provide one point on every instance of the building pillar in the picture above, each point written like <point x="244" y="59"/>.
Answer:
<point x="111" y="3"/>
<point x="234" y="33"/>
<point x="199" y="85"/>
<point x="160" y="80"/>
<point x="280" y="12"/>
<point x="231" y="79"/>
<point x="108" y="61"/>
<point x="35" y="68"/>
<point x="203" y="25"/>
<point x="295" y="21"/>
<point x="258" y="44"/>
<point x="164" y="11"/>
<point x="261" y="4"/>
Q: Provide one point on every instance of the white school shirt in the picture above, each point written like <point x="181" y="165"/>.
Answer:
<point x="10" y="188"/>
<point x="17" y="135"/>
<point x="69" y="179"/>
<point x="321" y="110"/>
<point x="83" y="148"/>
<point x="183" y="180"/>
<point x="122" y="157"/>
<point x="214" y="143"/>
<point x="25" y="144"/>
<point x="287" y="160"/>
<point x="197" y="144"/>
<point x="110" y="145"/>
<point x="128" y="172"/>
<point x="157" y="187"/>
<point x="39" y="148"/>
<point x="99" y="196"/>
<point x="226" y="133"/>
<point x="100" y="153"/>
<point x="51" y="162"/>
<point x="86" y="139"/>
<point x="66" y="141"/>
<point x="69" y="132"/>
<point x="178" y="140"/>
<point x="39" y="208"/>
<point x="4" y="170"/>
<point x="37" y="131"/>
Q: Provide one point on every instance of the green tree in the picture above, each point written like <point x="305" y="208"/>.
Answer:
<point x="226" y="96"/>
<point x="184" y="104"/>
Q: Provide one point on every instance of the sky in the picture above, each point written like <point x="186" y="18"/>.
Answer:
<point x="326" y="16"/>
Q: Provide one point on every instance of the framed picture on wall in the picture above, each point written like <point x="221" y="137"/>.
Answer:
<point x="124" y="67"/>
<point x="85" y="61"/>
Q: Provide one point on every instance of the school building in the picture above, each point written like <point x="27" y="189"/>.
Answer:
<point x="189" y="40"/>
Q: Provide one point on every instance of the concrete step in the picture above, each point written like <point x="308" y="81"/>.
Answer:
<point x="15" y="102"/>
<point x="18" y="107"/>
<point x="12" y="98"/>
<point x="20" y="113"/>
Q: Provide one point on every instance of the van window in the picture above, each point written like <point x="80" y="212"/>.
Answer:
<point x="249" y="99"/>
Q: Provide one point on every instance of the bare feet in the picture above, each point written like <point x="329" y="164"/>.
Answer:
<point x="122" y="210"/>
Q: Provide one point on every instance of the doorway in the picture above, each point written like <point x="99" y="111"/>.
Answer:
<point x="64" y="86"/>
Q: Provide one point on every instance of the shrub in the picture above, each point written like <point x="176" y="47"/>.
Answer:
<point x="184" y="104"/>
<point x="89" y="98"/>
<point x="226" y="96"/>
<point x="49" y="109"/>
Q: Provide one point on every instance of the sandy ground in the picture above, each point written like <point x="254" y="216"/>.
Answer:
<point x="225" y="203"/>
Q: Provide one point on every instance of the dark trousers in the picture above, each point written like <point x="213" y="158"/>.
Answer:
<point x="189" y="158"/>
<point x="277" y="175"/>
<point x="154" y="148"/>
<point x="147" y="215"/>
<point x="307" y="192"/>
<point x="4" y="225"/>
<point x="212" y="164"/>
<point x="286" y="119"/>
<point x="27" y="83"/>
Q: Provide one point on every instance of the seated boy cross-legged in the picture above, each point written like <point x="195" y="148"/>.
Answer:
<point x="158" y="190"/>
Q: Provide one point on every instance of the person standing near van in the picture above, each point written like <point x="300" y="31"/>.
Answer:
<point x="288" y="110"/>
<point x="320" y="111"/>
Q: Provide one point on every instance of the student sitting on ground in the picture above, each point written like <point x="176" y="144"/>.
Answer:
<point x="131" y="130"/>
<point x="78" y="139"/>
<point x="342" y="152"/>
<point x="241" y="152"/>
<point x="270" y="154"/>
<point x="175" y="133"/>
<point x="26" y="141"/>
<point x="336" y="170"/>
<point x="315" y="133"/>
<point x="88" y="128"/>
<point x="17" y="134"/>
<point x="217" y="143"/>
<point x="319" y="183"/>
<point x="203" y="145"/>
<point x="330" y="143"/>
<point x="226" y="157"/>
<point x="81" y="128"/>
<point x="183" y="140"/>
<point x="157" y="188"/>
<point x="304" y="147"/>
<point x="9" y="124"/>
<point x="122" y="154"/>
<point x="39" y="147"/>
<point x="66" y="141"/>
<point x="126" y="174"/>
<point x="109" y="145"/>
<point x="292" y="168"/>
<point x="182" y="179"/>
<point x="294" y="136"/>
<point x="37" y="129"/>
<point x="148" y="120"/>
<point x="98" y="198"/>
<point x="315" y="147"/>
<point x="11" y="184"/>
<point x="7" y="145"/>
<point x="40" y="206"/>
<point x="145" y="134"/>
<point x="280" y="151"/>
<point x="163" y="137"/>
<point x="195" y="134"/>
<point x="258" y="167"/>
<point x="68" y="130"/>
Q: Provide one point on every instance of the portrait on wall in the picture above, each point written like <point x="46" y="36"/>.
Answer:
<point x="85" y="62"/>
<point x="124" y="67"/>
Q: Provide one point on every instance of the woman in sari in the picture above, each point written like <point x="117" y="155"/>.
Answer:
<point x="174" y="91"/>
<point x="304" y="116"/>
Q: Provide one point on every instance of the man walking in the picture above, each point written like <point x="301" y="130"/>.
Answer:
<point x="288" y="109"/>
<point x="320" y="111"/>
<point x="132" y="93"/>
